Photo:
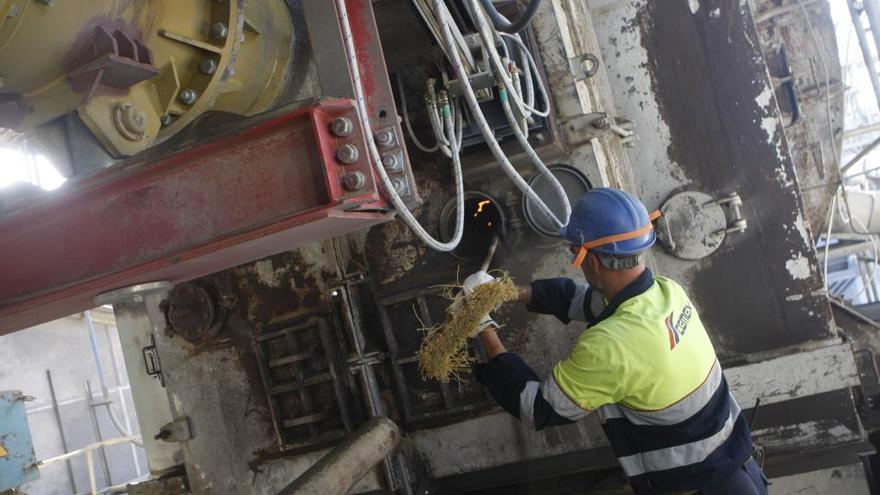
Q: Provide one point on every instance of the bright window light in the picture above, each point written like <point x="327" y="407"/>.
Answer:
<point x="17" y="166"/>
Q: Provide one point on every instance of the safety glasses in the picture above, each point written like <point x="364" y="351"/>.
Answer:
<point x="582" y="250"/>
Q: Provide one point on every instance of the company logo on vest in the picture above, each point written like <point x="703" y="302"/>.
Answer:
<point x="679" y="328"/>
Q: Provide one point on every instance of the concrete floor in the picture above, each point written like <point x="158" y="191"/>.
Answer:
<point x="849" y="480"/>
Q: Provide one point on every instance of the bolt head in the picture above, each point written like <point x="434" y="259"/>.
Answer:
<point x="130" y="121"/>
<point x="399" y="185"/>
<point x="392" y="163"/>
<point x="348" y="154"/>
<point x="166" y="119"/>
<point x="208" y="66"/>
<point x="342" y="127"/>
<point x="600" y="123"/>
<point x="385" y="138"/>
<point x="219" y="31"/>
<point x="354" y="181"/>
<point x="188" y="96"/>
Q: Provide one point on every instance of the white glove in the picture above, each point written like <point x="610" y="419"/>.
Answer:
<point x="477" y="279"/>
<point x="469" y="285"/>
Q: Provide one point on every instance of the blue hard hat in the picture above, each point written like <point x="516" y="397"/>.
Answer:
<point x="604" y="212"/>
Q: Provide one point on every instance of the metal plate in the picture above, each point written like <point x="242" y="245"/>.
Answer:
<point x="575" y="184"/>
<point x="692" y="225"/>
<point x="17" y="459"/>
<point x="257" y="192"/>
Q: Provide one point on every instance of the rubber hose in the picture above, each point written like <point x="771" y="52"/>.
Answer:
<point x="502" y="24"/>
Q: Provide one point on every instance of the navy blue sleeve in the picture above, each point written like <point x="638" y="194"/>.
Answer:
<point x="553" y="296"/>
<point x="506" y="376"/>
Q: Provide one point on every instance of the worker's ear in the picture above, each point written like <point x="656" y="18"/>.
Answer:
<point x="594" y="263"/>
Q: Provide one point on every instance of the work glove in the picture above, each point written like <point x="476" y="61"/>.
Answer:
<point x="469" y="285"/>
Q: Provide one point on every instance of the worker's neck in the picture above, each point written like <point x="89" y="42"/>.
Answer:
<point x="617" y="280"/>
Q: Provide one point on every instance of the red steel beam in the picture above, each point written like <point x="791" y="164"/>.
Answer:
<point x="264" y="190"/>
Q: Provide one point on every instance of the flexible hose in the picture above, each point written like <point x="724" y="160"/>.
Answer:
<point x="488" y="135"/>
<point x="408" y="124"/>
<point x="502" y="24"/>
<point x="530" y="62"/>
<point x="524" y="143"/>
<point x="399" y="205"/>
<point x="500" y="69"/>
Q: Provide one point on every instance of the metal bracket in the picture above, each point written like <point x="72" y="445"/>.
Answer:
<point x="179" y="430"/>
<point x="584" y="128"/>
<point x="151" y="361"/>
<point x="370" y="359"/>
<point x="736" y="222"/>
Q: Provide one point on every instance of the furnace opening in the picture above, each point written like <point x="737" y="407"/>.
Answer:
<point x="482" y="220"/>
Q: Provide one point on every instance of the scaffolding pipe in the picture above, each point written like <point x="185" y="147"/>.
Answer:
<point x="873" y="10"/>
<point x="338" y="471"/>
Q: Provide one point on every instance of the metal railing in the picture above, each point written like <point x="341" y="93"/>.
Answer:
<point x="89" y="450"/>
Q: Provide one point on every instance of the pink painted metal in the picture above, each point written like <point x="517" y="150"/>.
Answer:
<point x="261" y="191"/>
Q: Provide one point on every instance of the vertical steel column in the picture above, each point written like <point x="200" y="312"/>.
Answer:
<point x="57" y="411"/>
<point x="872" y="8"/>
<point x="150" y="399"/>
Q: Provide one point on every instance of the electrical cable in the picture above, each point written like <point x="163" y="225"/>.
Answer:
<point x="363" y="116"/>
<point x="828" y="241"/>
<point x="534" y="68"/>
<point x="500" y="69"/>
<point x="491" y="141"/>
<point x="530" y="151"/>
<point x="505" y="26"/>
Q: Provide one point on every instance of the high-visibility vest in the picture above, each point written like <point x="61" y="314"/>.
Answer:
<point x="650" y="373"/>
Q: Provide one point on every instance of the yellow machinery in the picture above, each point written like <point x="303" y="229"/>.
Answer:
<point x="137" y="71"/>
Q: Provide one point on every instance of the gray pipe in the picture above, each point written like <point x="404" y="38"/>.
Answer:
<point x="338" y="471"/>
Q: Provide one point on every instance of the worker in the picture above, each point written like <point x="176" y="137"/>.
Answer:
<point x="644" y="365"/>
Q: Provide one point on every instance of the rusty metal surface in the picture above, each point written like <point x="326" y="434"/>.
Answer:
<point x="110" y="59"/>
<point x="268" y="188"/>
<point x="335" y="76"/>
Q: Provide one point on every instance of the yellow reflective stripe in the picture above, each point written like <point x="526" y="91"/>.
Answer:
<point x="3" y="452"/>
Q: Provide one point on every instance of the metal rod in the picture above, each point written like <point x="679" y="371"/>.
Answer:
<point x="490" y="254"/>
<point x="89" y="448"/>
<point x="57" y="410"/>
<point x="351" y="319"/>
<point x="858" y="131"/>
<point x="867" y="55"/>
<point x="93" y="340"/>
<point x="350" y="461"/>
<point x="861" y="154"/>
<point x="848" y="309"/>
<point x="90" y="460"/>
<point x="96" y="428"/>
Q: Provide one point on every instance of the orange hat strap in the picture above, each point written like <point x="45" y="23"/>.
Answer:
<point x="585" y="247"/>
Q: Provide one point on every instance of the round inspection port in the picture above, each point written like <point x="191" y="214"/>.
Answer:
<point x="483" y="219"/>
<point x="575" y="184"/>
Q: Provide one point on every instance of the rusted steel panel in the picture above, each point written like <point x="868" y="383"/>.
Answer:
<point x="268" y="188"/>
<point x="694" y="80"/>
